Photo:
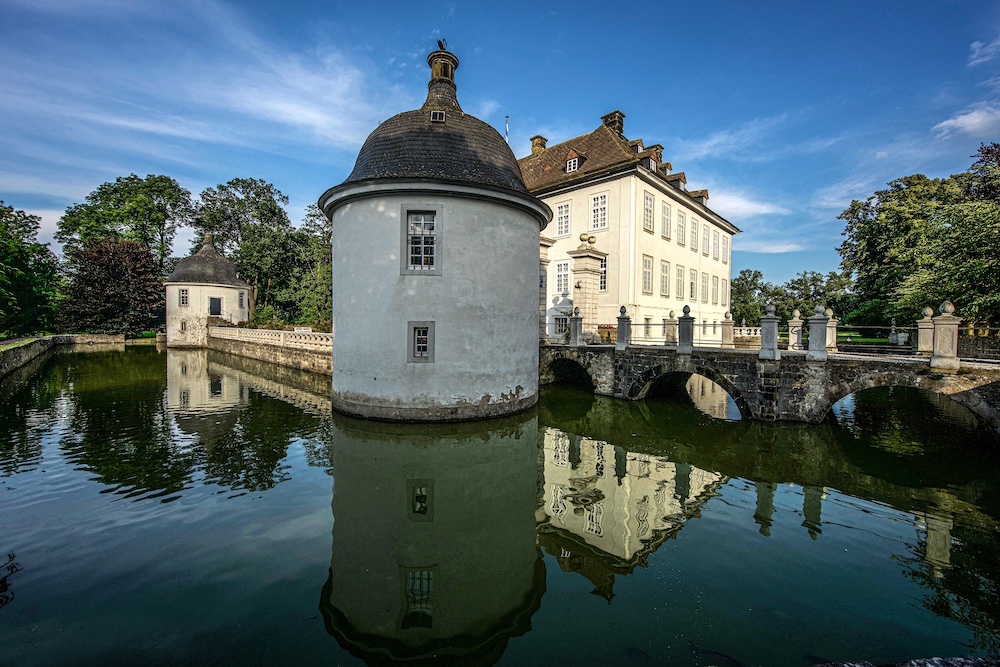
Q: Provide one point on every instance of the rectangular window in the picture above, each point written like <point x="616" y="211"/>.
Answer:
<point x="694" y="235"/>
<point x="664" y="278"/>
<point x="715" y="290"/>
<point x="562" y="220"/>
<point x="419" y="591"/>
<point x="647" y="213"/>
<point x="679" y="291"/>
<point x="184" y="297"/>
<point x="693" y="286"/>
<point x="704" y="239"/>
<point x="241" y="300"/>
<point x="562" y="277"/>
<point x="599" y="212"/>
<point x="420" y="343"/>
<point x="647" y="328"/>
<point x="681" y="225"/>
<point x="715" y="244"/>
<point x="562" y="325"/>
<point x="572" y="164"/>
<point x="647" y="274"/>
<point x="725" y="250"/>
<point x="665" y="221"/>
<point x="603" y="285"/>
<point x="725" y="291"/>
<point x="421" y="231"/>
<point x="704" y="287"/>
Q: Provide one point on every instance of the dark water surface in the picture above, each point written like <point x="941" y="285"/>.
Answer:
<point x="186" y="507"/>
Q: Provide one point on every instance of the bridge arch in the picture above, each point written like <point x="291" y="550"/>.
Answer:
<point x="647" y="379"/>
<point x="838" y="391"/>
<point x="565" y="368"/>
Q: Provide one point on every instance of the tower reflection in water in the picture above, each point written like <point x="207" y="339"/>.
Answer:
<point x="434" y="551"/>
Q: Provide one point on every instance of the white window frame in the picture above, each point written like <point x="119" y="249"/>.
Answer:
<point x="693" y="285"/>
<point x="647" y="327"/>
<point x="561" y="325"/>
<point x="563" y="226"/>
<point x="647" y="274"/>
<point x="681" y="227"/>
<point x="705" y="236"/>
<point x="599" y="211"/>
<point x="572" y="165"/>
<point x="679" y="290"/>
<point x="603" y="280"/>
<point x="725" y="250"/>
<point x="183" y="297"/>
<point x="420" y="352"/>
<point x="406" y="239"/>
<point x="664" y="278"/>
<point x="715" y="290"/>
<point x="725" y="292"/>
<point x="694" y="234"/>
<point x="648" y="221"/>
<point x="562" y="277"/>
<point x="704" y="287"/>
<point x="715" y="244"/>
<point x="665" y="220"/>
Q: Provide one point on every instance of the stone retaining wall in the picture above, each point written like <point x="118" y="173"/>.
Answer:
<point x="979" y="347"/>
<point x="15" y="357"/>
<point x="319" y="360"/>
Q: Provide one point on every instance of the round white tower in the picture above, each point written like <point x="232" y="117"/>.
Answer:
<point x="435" y="256"/>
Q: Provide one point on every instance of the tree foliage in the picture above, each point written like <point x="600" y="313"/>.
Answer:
<point x="114" y="287"/>
<point x="145" y="210"/>
<point x="751" y="293"/>
<point x="29" y="275"/>
<point x="923" y="240"/>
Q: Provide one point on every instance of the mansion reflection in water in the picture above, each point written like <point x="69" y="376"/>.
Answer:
<point x="439" y="530"/>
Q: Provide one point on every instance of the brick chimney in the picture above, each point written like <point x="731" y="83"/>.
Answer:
<point x="538" y="144"/>
<point x="616" y="121"/>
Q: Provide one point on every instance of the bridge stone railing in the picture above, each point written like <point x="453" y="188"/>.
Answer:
<point x="305" y="340"/>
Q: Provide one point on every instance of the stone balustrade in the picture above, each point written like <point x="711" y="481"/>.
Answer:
<point x="306" y="340"/>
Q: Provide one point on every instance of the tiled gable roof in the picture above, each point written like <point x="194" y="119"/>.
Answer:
<point x="603" y="148"/>
<point x="206" y="267"/>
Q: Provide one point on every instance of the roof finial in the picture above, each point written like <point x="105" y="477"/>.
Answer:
<point x="441" y="88"/>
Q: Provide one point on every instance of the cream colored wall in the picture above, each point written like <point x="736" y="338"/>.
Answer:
<point x="195" y="314"/>
<point x="626" y="242"/>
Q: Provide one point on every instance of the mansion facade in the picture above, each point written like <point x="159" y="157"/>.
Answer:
<point x="626" y="232"/>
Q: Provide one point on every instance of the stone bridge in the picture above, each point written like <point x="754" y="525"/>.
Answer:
<point x="789" y="389"/>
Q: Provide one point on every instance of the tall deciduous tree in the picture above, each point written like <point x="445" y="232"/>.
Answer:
<point x="29" y="275"/>
<point x="114" y="287"/>
<point x="250" y="225"/>
<point x="146" y="210"/>
<point x="314" y="283"/>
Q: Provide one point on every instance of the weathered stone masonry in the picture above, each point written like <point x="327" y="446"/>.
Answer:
<point x="788" y="389"/>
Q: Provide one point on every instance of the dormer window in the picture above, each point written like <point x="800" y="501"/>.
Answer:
<point x="651" y="164"/>
<point x="437" y="116"/>
<point x="572" y="164"/>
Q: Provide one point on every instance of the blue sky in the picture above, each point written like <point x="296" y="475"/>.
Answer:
<point x="785" y="111"/>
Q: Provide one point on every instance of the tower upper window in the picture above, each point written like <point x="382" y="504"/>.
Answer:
<point x="437" y="116"/>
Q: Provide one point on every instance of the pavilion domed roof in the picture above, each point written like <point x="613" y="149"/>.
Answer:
<point x="206" y="267"/>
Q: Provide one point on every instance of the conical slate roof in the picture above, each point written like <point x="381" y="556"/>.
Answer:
<point x="438" y="141"/>
<point x="206" y="267"/>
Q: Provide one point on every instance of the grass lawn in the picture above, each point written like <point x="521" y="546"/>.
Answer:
<point x="16" y="342"/>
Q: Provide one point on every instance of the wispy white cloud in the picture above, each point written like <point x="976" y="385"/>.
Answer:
<point x="980" y="53"/>
<point x="735" y="205"/>
<point x="727" y="143"/>
<point x="980" y="121"/>
<point x="769" y="246"/>
<point x="485" y="108"/>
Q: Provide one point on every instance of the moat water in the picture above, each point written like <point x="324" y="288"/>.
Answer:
<point x="193" y="508"/>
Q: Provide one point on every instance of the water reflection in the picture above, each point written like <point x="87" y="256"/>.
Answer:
<point x="605" y="509"/>
<point x="434" y="552"/>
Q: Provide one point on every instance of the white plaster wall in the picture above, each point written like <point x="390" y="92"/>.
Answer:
<point x="195" y="314"/>
<point x="484" y="304"/>
<point x="626" y="241"/>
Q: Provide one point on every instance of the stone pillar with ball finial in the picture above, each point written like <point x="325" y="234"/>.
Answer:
<point x="945" y="356"/>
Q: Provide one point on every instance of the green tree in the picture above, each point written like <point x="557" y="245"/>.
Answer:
<point x="809" y="289"/>
<point x="314" y="282"/>
<point x="114" y="287"/>
<point x="891" y="235"/>
<point x="29" y="275"/>
<point x="250" y="225"/>
<point x="145" y="210"/>
<point x="750" y="294"/>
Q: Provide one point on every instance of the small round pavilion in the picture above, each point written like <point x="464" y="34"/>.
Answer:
<point x="435" y="263"/>
<point x="204" y="286"/>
